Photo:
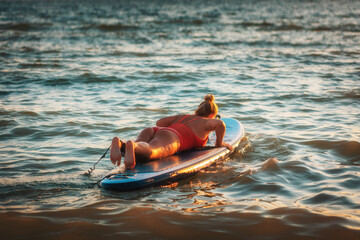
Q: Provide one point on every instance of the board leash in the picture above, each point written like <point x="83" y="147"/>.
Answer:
<point x="93" y="168"/>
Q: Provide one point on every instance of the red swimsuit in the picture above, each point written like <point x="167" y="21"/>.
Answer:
<point x="187" y="137"/>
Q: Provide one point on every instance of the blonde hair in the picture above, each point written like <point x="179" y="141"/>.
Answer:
<point x="207" y="107"/>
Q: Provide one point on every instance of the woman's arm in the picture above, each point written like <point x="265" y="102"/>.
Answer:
<point x="219" y="127"/>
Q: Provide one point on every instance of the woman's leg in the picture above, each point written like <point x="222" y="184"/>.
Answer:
<point x="163" y="144"/>
<point x="145" y="135"/>
<point x="115" y="154"/>
<point x="129" y="159"/>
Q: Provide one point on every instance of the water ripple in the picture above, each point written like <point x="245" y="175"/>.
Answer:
<point x="75" y="74"/>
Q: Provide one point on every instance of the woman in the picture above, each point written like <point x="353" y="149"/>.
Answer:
<point x="172" y="134"/>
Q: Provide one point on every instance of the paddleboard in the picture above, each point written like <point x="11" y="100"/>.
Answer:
<point x="176" y="167"/>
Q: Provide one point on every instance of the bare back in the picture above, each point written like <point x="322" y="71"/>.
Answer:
<point x="201" y="126"/>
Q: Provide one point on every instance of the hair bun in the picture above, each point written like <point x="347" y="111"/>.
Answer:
<point x="209" y="98"/>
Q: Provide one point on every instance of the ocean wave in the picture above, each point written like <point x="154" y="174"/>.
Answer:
<point x="346" y="94"/>
<point x="57" y="132"/>
<point x="56" y="82"/>
<point x="330" y="199"/>
<point x="14" y="114"/>
<point x="33" y="49"/>
<point x="301" y="173"/>
<point x="41" y="133"/>
<point x="143" y="109"/>
<point x="125" y="129"/>
<point x="269" y="26"/>
<point x="348" y="53"/>
<point x="290" y="26"/>
<point x="23" y="131"/>
<point x="85" y="78"/>
<point x="27" y="49"/>
<point x="38" y="64"/>
<point x="113" y="27"/>
<point x="351" y="182"/>
<point x="12" y="189"/>
<point x="25" y="26"/>
<point x="4" y="93"/>
<point x="187" y="20"/>
<point x="345" y="148"/>
<point x="262" y="42"/>
<point x="135" y="54"/>
<point x="7" y="123"/>
<point x="28" y="114"/>
<point x="270" y="165"/>
<point x="341" y="28"/>
<point x="89" y="77"/>
<point x="113" y="220"/>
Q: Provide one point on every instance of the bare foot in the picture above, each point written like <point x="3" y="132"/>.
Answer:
<point x="115" y="154"/>
<point x="129" y="158"/>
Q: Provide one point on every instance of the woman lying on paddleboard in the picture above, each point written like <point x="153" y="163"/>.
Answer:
<point x="172" y="134"/>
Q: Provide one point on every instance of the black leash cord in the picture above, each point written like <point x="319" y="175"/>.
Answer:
<point x="93" y="168"/>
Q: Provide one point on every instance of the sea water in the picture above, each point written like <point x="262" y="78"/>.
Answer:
<point x="74" y="74"/>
